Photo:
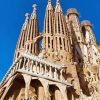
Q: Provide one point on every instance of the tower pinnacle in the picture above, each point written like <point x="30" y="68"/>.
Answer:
<point x="21" y="42"/>
<point x="26" y="21"/>
<point x="57" y="1"/>
<point x="58" y="7"/>
<point x="34" y="7"/>
<point x="34" y="11"/>
<point x="49" y="1"/>
<point x="26" y="15"/>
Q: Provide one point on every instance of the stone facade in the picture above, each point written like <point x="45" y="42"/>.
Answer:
<point x="67" y="67"/>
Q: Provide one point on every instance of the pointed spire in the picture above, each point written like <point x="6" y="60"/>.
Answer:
<point x="34" y="7"/>
<point x="49" y="1"/>
<point x="27" y="16"/>
<point x="21" y="41"/>
<point x="58" y="7"/>
<point x="33" y="16"/>
<point x="26" y="21"/>
<point x="32" y="33"/>
<point x="49" y="6"/>
<point x="57" y="1"/>
<point x="48" y="21"/>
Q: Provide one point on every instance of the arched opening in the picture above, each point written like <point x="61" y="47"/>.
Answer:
<point x="55" y="93"/>
<point x="17" y="89"/>
<point x="37" y="90"/>
<point x="84" y="33"/>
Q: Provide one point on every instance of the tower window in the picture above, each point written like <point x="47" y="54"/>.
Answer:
<point x="18" y="55"/>
<point x="52" y="43"/>
<point x="68" y="45"/>
<point x="31" y="47"/>
<point x="78" y="38"/>
<point x="48" y="41"/>
<point x="58" y="24"/>
<point x="64" y="43"/>
<point x="48" y="21"/>
<point x="60" y="43"/>
<point x="56" y="43"/>
<point x="28" y="47"/>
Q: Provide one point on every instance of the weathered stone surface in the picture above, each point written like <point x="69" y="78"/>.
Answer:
<point x="67" y="67"/>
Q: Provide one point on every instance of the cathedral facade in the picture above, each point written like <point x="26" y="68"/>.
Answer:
<point x="65" y="67"/>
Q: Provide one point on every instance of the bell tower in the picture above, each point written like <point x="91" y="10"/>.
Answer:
<point x="90" y="41"/>
<point x="32" y="33"/>
<point x="88" y="28"/>
<point x="76" y="33"/>
<point x="48" y="31"/>
<point x="74" y="23"/>
<point x="22" y="39"/>
<point x="62" y="47"/>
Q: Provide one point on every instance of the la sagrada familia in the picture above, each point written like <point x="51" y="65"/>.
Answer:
<point x="65" y="67"/>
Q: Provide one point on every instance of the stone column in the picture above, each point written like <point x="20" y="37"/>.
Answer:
<point x="58" y="95"/>
<point x="63" y="92"/>
<point x="27" y="79"/>
<point x="41" y="94"/>
<point x="8" y="86"/>
<point x="45" y="84"/>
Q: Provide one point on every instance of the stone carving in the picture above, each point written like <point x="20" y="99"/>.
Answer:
<point x="66" y="67"/>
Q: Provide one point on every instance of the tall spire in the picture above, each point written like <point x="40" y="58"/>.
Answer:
<point x="21" y="41"/>
<point x="73" y="19"/>
<point x="57" y="2"/>
<point x="61" y="34"/>
<point x="88" y="27"/>
<point x="48" y="27"/>
<point x="58" y="7"/>
<point x="49" y="6"/>
<point x="26" y="21"/>
<point x="32" y="47"/>
<point x="49" y="1"/>
<point x="33" y="15"/>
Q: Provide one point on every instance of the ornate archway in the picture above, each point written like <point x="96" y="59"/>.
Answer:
<point x="16" y="90"/>
<point x="55" y="93"/>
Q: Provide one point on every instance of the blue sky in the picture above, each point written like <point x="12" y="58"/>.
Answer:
<point x="12" y="17"/>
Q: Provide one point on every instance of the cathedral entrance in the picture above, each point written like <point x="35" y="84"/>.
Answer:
<point x="16" y="91"/>
<point x="55" y="93"/>
<point x="38" y="90"/>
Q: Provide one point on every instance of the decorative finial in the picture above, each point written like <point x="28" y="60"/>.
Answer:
<point x="34" y="7"/>
<point x="49" y="0"/>
<point x="26" y="21"/>
<point x="27" y="17"/>
<point x="57" y="1"/>
<point x="34" y="11"/>
<point x="26" y="14"/>
<point x="58" y="7"/>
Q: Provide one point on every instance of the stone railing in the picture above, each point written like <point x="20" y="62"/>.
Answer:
<point x="36" y="67"/>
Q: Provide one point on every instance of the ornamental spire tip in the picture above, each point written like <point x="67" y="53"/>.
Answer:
<point x="57" y="1"/>
<point x="34" y="6"/>
<point x="49" y="0"/>
<point x="26" y="14"/>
